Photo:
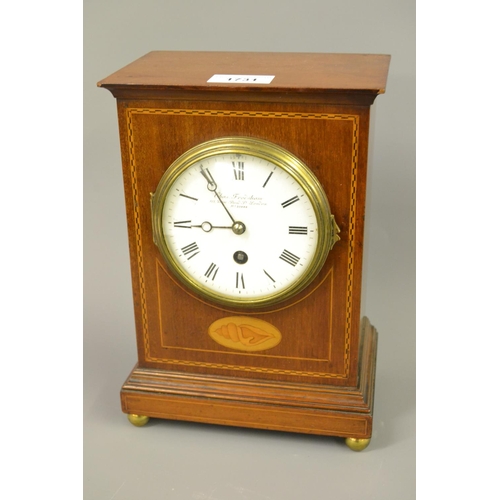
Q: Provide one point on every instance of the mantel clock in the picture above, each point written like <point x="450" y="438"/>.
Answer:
<point x="245" y="184"/>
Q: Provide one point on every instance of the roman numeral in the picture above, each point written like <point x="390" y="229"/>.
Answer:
<point x="297" y="230"/>
<point x="240" y="282"/>
<point x="190" y="249"/>
<point x="267" y="180"/>
<point x="269" y="276"/>
<point x="183" y="223"/>
<point x="190" y="197"/>
<point x="239" y="170"/>
<point x="289" y="258"/>
<point x="212" y="269"/>
<point x="289" y="202"/>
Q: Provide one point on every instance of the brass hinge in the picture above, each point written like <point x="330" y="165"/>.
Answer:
<point x="335" y="232"/>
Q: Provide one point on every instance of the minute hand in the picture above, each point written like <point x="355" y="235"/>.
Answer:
<point x="212" y="186"/>
<point x="238" y="227"/>
<point x="225" y="208"/>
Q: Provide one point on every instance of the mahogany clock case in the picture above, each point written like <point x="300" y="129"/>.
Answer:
<point x="320" y="377"/>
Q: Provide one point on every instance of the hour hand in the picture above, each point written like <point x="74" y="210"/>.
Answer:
<point x="207" y="226"/>
<point x="237" y="228"/>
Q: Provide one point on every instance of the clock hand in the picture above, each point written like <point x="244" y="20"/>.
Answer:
<point x="224" y="206"/>
<point x="237" y="227"/>
<point x="207" y="226"/>
<point x="211" y="186"/>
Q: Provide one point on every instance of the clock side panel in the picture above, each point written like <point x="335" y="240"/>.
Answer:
<point x="135" y="230"/>
<point x="318" y="329"/>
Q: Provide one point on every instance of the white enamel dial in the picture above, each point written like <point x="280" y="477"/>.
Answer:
<point x="239" y="227"/>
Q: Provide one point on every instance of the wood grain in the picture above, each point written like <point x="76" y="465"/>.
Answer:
<point x="317" y="330"/>
<point x="299" y="77"/>
<point x="319" y="378"/>
<point x="346" y="412"/>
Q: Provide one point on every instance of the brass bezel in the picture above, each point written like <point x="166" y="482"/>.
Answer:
<point x="282" y="159"/>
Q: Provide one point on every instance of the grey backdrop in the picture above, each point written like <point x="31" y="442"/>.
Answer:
<point x="178" y="461"/>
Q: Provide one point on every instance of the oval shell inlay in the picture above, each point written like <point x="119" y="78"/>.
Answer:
<point x="244" y="333"/>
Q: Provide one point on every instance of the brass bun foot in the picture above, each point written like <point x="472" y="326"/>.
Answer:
<point x="357" y="444"/>
<point x="138" y="420"/>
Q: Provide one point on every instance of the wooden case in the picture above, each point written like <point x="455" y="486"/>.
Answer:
<point x="320" y="377"/>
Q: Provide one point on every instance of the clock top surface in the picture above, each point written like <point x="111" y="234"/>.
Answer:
<point x="293" y="72"/>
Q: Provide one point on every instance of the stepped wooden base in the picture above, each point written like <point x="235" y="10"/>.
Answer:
<point x="303" y="408"/>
